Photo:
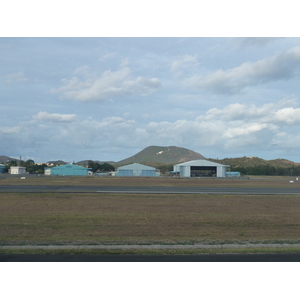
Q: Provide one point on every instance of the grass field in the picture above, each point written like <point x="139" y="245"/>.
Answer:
<point x="71" y="218"/>
<point x="152" y="181"/>
<point x="134" y="219"/>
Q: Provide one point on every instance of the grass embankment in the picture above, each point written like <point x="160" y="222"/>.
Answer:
<point x="147" y="219"/>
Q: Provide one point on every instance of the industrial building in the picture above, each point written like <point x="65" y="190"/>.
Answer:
<point x="200" y="168"/>
<point x="17" y="170"/>
<point x="136" y="170"/>
<point x="2" y="168"/>
<point x="68" y="170"/>
<point x="233" y="174"/>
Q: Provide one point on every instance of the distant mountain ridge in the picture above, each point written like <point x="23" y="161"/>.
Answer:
<point x="160" y="154"/>
<point x="4" y="159"/>
<point x="250" y="161"/>
<point x="157" y="156"/>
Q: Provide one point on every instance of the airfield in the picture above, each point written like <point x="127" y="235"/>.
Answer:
<point x="157" y="216"/>
<point x="149" y="185"/>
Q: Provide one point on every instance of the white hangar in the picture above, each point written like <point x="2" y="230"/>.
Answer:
<point x="200" y="168"/>
<point x="136" y="170"/>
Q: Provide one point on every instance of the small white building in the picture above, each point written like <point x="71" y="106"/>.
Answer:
<point x="47" y="171"/>
<point x="17" y="170"/>
<point x="200" y="168"/>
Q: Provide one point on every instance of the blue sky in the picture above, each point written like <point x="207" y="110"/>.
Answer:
<point x="158" y="74"/>
<point x="108" y="98"/>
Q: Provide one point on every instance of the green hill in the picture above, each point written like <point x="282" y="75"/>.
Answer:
<point x="257" y="166"/>
<point x="162" y="155"/>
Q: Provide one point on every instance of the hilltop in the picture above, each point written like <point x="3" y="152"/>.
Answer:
<point x="164" y="155"/>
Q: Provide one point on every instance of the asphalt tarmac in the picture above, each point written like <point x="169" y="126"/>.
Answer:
<point x="154" y="258"/>
<point x="147" y="190"/>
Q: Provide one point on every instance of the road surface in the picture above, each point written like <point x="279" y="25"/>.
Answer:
<point x="147" y="190"/>
<point x="293" y="257"/>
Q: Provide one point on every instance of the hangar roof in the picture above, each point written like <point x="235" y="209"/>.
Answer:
<point x="70" y="166"/>
<point x="201" y="162"/>
<point x="136" y="166"/>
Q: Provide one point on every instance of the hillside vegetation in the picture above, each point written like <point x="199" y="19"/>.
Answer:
<point x="258" y="166"/>
<point x="162" y="155"/>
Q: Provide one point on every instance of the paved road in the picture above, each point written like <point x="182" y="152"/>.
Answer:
<point x="148" y="247"/>
<point x="154" y="258"/>
<point x="146" y="190"/>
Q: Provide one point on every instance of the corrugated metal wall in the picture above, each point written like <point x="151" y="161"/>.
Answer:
<point x="125" y="173"/>
<point x="69" y="170"/>
<point x="149" y="173"/>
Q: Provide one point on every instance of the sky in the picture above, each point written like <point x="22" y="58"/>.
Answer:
<point x="103" y="82"/>
<point x="106" y="99"/>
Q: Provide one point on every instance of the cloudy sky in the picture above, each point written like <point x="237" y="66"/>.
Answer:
<point x="109" y="98"/>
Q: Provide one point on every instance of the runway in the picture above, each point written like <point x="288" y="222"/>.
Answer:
<point x="147" y="190"/>
<point x="293" y="257"/>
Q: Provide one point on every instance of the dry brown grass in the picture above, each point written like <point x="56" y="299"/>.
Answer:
<point x="152" y="181"/>
<point x="114" y="218"/>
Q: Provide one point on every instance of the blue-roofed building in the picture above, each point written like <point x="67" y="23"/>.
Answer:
<point x="2" y="169"/>
<point x="68" y="170"/>
<point x="233" y="174"/>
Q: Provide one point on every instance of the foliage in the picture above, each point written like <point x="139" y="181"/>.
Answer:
<point x="32" y="167"/>
<point x="268" y="170"/>
<point x="96" y="167"/>
<point x="11" y="163"/>
<point x="259" y="166"/>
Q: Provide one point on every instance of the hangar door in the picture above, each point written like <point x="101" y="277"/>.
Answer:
<point x="203" y="171"/>
<point x="148" y="173"/>
<point x="125" y="172"/>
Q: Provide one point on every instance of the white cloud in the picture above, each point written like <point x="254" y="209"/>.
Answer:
<point x="108" y="56"/>
<point x="10" y="130"/>
<point x="282" y="66"/>
<point x="243" y="130"/>
<point x="182" y="63"/>
<point x="288" y="115"/>
<point x="55" y="118"/>
<point x="266" y="127"/>
<point x="18" y="77"/>
<point x="109" y="85"/>
<point x="238" y="111"/>
<point x="270" y="113"/>
<point x="236" y="126"/>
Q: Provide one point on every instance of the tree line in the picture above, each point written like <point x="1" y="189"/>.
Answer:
<point x="30" y="165"/>
<point x="96" y="167"/>
<point x="268" y="170"/>
<point x="33" y="168"/>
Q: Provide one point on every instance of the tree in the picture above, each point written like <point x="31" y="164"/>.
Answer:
<point x="100" y="167"/>
<point x="106" y="167"/>
<point x="94" y="166"/>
